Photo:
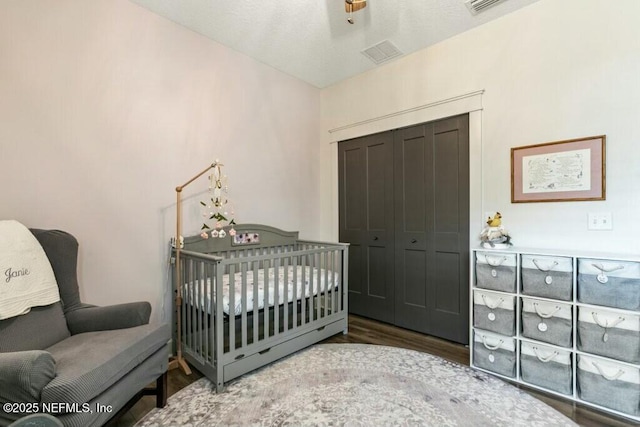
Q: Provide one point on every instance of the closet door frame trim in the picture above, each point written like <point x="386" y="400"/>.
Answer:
<point x="469" y="103"/>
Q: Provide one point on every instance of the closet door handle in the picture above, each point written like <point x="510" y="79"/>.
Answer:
<point x="414" y="241"/>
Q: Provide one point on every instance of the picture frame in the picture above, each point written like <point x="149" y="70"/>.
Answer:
<point x="244" y="239"/>
<point x="561" y="171"/>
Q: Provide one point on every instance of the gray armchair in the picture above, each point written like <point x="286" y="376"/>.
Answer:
<point x="76" y="361"/>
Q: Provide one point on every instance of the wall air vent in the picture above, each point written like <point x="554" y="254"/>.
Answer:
<point x="477" y="6"/>
<point x="382" y="52"/>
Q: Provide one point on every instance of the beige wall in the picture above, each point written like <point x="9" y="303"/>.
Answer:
<point x="106" y="108"/>
<point x="554" y="70"/>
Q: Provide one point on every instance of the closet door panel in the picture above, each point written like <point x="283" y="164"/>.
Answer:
<point x="356" y="281"/>
<point x="366" y="222"/>
<point x="351" y="174"/>
<point x="445" y="183"/>
<point x="377" y="272"/>
<point x="414" y="264"/>
<point x="450" y="253"/>
<point x="412" y="149"/>
<point x="412" y="158"/>
<point x="352" y="190"/>
<point x="379" y="226"/>
<point x="447" y="291"/>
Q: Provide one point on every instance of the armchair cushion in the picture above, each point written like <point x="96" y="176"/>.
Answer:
<point x="89" y="363"/>
<point x="62" y="250"/>
<point x="40" y="328"/>
<point x="23" y="375"/>
<point x="89" y="318"/>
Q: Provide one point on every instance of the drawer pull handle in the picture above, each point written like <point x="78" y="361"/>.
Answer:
<point x="491" y="347"/>
<point x="264" y="351"/>
<point x="606" y="326"/>
<point x="545" y="270"/>
<point x="495" y="263"/>
<point x="547" y="359"/>
<point x="414" y="241"/>
<point x="494" y="306"/>
<point x="375" y="237"/>
<point x="546" y="315"/>
<point x="602" y="277"/>
<point x="608" y="377"/>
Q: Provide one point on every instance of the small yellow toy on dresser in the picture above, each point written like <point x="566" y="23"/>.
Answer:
<point x="494" y="236"/>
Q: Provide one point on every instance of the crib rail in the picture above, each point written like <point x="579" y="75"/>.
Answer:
<point x="244" y="301"/>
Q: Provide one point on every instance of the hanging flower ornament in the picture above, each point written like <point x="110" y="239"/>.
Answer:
<point x="217" y="206"/>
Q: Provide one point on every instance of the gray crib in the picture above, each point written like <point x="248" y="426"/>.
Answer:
<point x="253" y="298"/>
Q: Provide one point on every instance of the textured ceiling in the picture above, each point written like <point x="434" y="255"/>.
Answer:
<point x="311" y="39"/>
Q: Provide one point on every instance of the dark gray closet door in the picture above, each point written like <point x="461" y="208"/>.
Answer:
<point x="431" y="195"/>
<point x="366" y="222"/>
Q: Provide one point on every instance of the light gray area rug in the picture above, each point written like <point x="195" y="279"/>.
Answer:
<point x="359" y="385"/>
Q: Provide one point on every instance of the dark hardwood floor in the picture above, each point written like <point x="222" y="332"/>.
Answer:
<point x="366" y="331"/>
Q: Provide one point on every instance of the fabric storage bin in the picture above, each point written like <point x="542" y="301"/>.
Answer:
<point x="547" y="276"/>
<point x="610" y="334"/>
<point x="547" y="321"/>
<point x="546" y="367"/>
<point x="494" y="312"/>
<point x="609" y="283"/>
<point x="496" y="271"/>
<point x="495" y="353"/>
<point x="609" y="384"/>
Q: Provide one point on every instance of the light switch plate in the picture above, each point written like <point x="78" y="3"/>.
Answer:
<point x="599" y="221"/>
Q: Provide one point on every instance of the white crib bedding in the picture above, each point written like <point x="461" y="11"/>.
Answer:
<point x="310" y="286"/>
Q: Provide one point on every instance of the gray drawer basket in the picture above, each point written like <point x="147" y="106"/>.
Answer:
<point x="609" y="384"/>
<point x="495" y="353"/>
<point x="610" y="334"/>
<point x="547" y="276"/>
<point x="609" y="283"/>
<point x="496" y="271"/>
<point x="494" y="312"/>
<point x="546" y="367"/>
<point x="547" y="321"/>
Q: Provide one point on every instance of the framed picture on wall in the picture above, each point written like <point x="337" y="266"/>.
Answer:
<point x="571" y="170"/>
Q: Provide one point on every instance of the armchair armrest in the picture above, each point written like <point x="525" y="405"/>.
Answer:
<point x="23" y="375"/>
<point x="90" y="318"/>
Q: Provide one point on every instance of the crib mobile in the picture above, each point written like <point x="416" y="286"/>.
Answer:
<point x="217" y="207"/>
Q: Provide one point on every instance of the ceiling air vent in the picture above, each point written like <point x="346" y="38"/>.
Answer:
<point x="382" y="52"/>
<point x="477" y="6"/>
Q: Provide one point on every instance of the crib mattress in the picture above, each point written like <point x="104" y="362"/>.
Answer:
<point x="308" y="287"/>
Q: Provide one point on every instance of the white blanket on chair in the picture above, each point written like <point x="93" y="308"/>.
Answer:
<point x="27" y="277"/>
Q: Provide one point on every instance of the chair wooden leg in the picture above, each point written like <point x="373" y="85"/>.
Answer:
<point x="161" y="391"/>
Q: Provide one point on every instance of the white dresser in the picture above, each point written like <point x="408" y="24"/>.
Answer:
<point x="564" y="322"/>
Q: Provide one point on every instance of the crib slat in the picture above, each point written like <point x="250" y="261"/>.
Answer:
<point x="189" y="280"/>
<point x="206" y="310"/>
<point x="317" y="259"/>
<point x="294" y="268"/>
<point x="276" y="296"/>
<point x="200" y="305"/>
<point x="285" y="297"/>
<point x="303" y="311"/>
<point x="256" y="311"/>
<point x="334" y="261"/>
<point x="232" y="307"/>
<point x="185" y="295"/>
<point x="243" y="323"/>
<point x="325" y="304"/>
<point x="194" y="306"/>
<point x="343" y="274"/>
<point x="265" y="304"/>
